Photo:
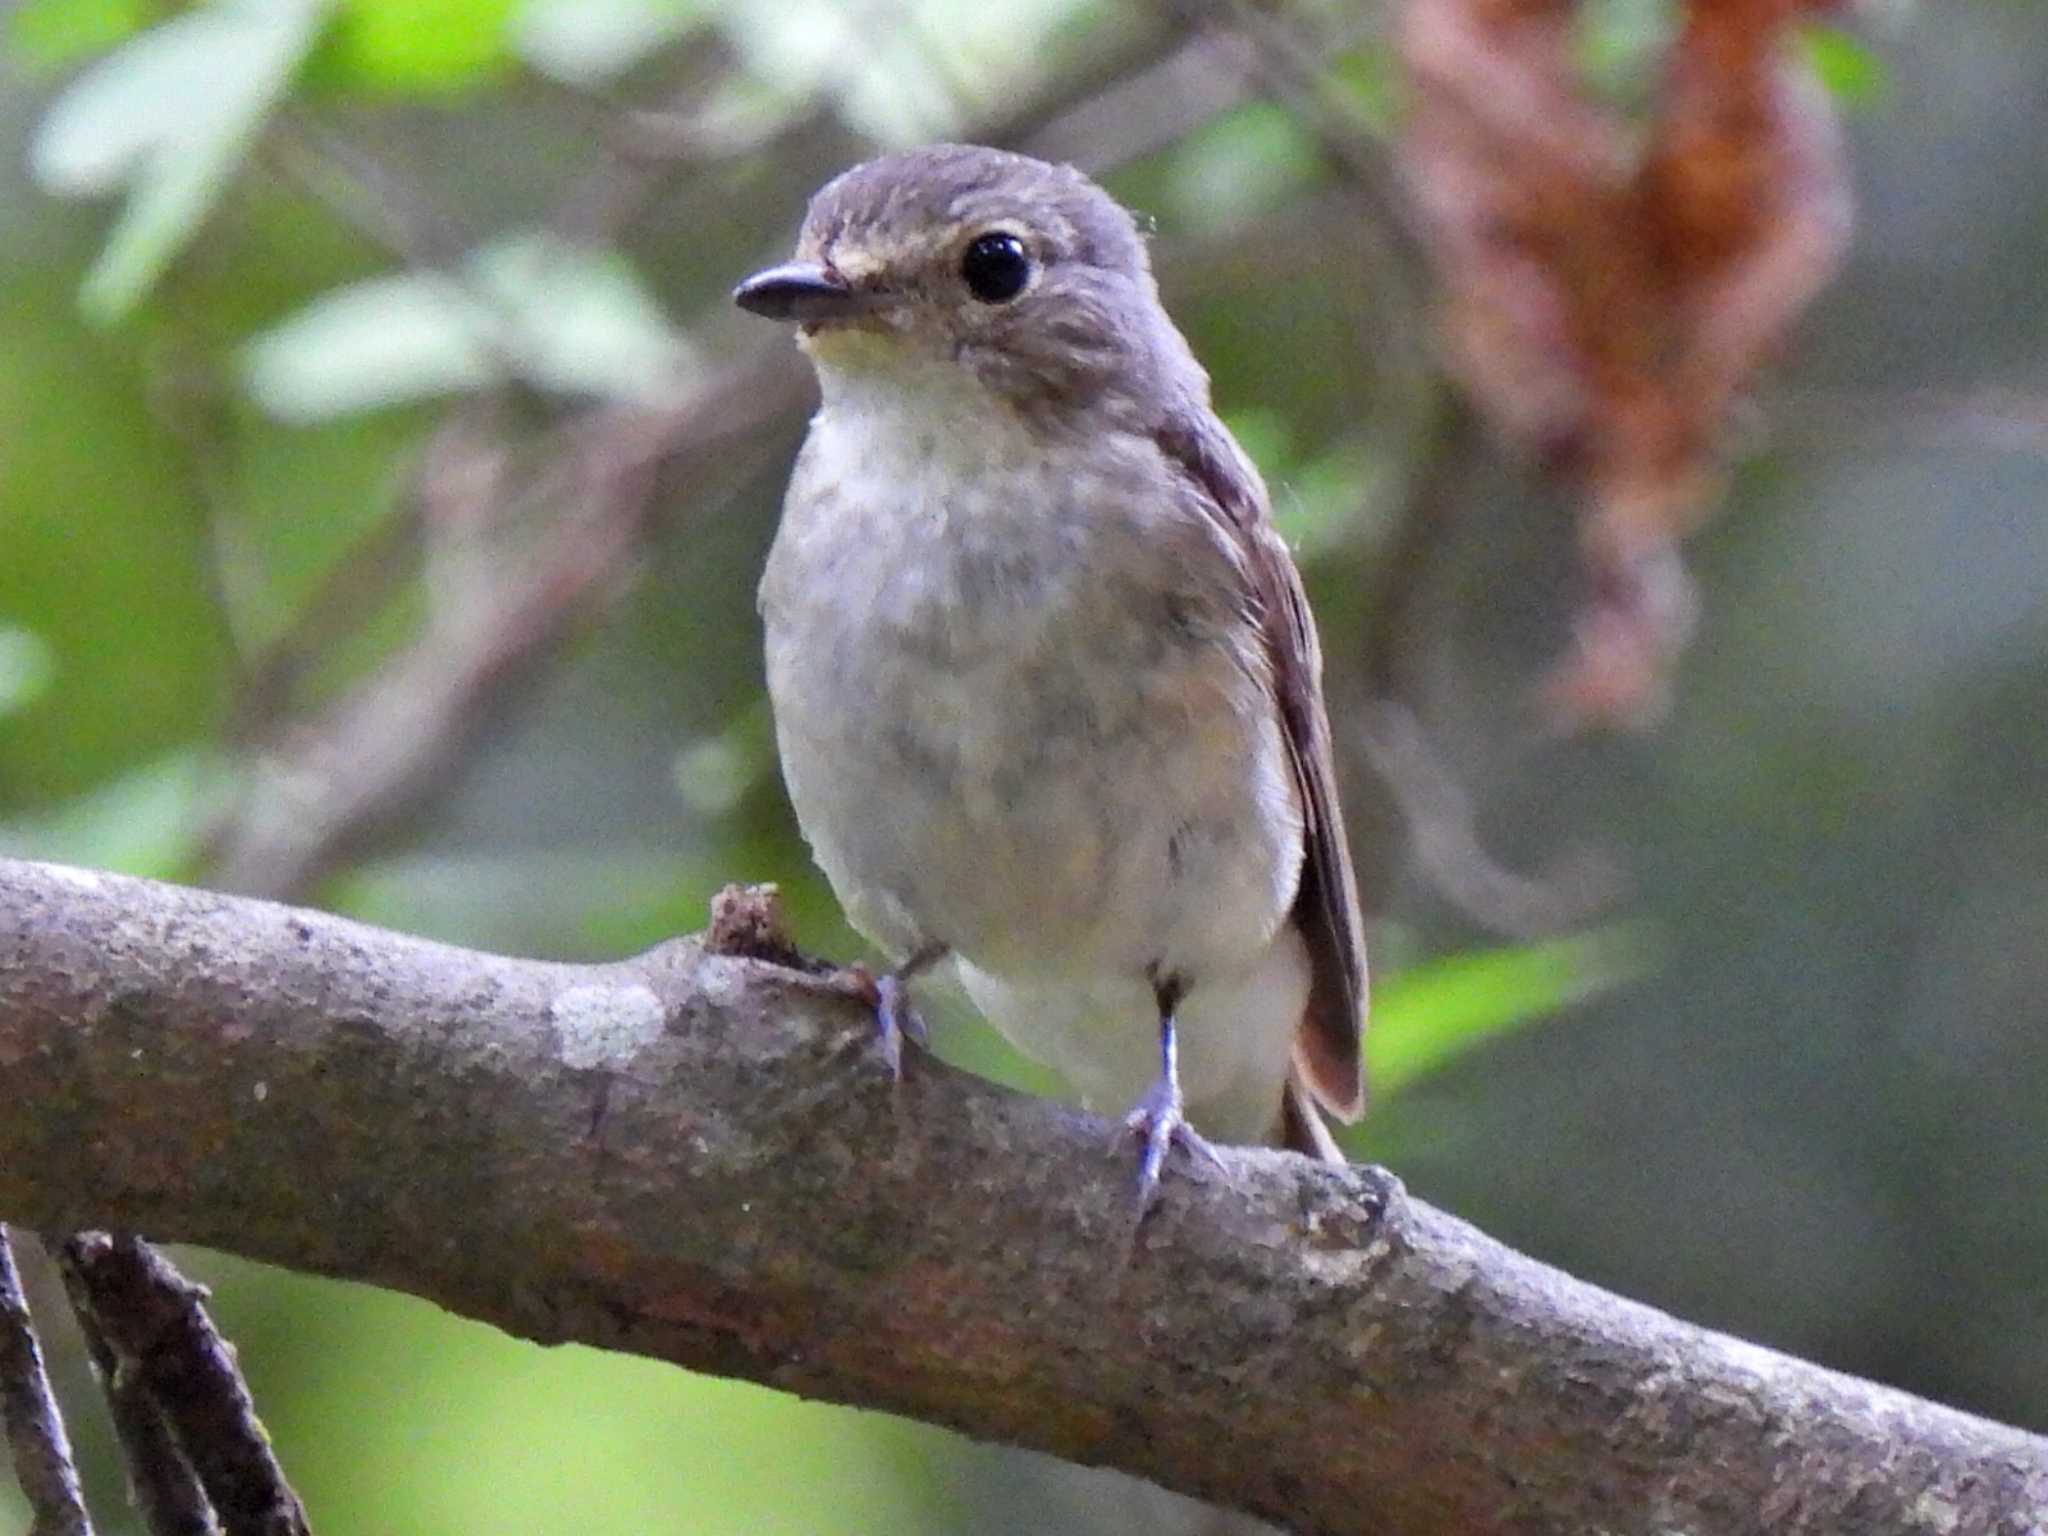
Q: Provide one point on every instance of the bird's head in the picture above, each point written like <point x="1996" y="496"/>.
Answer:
<point x="1026" y="276"/>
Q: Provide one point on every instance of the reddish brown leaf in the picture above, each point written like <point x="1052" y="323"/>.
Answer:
<point x="1610" y="288"/>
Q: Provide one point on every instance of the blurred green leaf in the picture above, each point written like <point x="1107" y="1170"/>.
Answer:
<point x="49" y="34"/>
<point x="1371" y="81"/>
<point x="370" y="344"/>
<point x="1848" y="67"/>
<point x="1240" y="165"/>
<point x="558" y="316"/>
<point x="1317" y="505"/>
<point x="714" y="773"/>
<point x="1265" y="435"/>
<point x="1432" y="1013"/>
<point x="147" y="822"/>
<point x="588" y="42"/>
<point x="103" y="556"/>
<point x="582" y="322"/>
<point x="414" y="47"/>
<point x="1315" y="499"/>
<point x="169" y="115"/>
<point x="595" y="901"/>
<point x="27" y="668"/>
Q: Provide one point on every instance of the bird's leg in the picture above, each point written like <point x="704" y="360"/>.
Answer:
<point x="889" y="995"/>
<point x="1158" y="1117"/>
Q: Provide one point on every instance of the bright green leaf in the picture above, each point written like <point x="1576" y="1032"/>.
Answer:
<point x="50" y="34"/>
<point x="170" y="114"/>
<point x="1432" y="1013"/>
<point x="416" y="47"/>
<point x="1849" y="69"/>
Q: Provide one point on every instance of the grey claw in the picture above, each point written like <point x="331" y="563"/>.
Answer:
<point x="1159" y="1123"/>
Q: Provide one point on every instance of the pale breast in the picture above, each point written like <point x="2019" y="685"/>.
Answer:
<point x="1021" y="709"/>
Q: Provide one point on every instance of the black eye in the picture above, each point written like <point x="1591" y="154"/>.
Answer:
<point x="996" y="268"/>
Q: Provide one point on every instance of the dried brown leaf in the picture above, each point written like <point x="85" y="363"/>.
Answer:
<point x="1610" y="288"/>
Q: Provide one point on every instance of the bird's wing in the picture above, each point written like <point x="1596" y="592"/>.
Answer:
<point x="1326" y="906"/>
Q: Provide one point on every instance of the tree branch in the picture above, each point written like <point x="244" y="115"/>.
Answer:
<point x="695" y="1156"/>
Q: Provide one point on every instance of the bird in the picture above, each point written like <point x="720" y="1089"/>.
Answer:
<point x="1046" y="687"/>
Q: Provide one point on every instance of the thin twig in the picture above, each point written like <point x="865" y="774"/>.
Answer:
<point x="1281" y="66"/>
<point x="166" y="1491"/>
<point x="1444" y="838"/>
<point x="154" y="1322"/>
<point x="1138" y="114"/>
<point x="640" y="145"/>
<point x="367" y="195"/>
<point x="28" y="1409"/>
<point x="358" y="584"/>
<point x="1435" y="810"/>
<point x="186" y="397"/>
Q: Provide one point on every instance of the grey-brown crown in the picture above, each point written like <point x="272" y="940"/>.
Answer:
<point x="895" y="209"/>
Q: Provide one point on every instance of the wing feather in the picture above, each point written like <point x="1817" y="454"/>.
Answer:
<point x="1328" y="1048"/>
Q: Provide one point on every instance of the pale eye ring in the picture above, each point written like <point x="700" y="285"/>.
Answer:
<point x="995" y="267"/>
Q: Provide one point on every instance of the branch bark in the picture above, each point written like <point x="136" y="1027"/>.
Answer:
<point x="695" y="1156"/>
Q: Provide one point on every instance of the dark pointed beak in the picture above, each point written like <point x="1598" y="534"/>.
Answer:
<point x="798" y="290"/>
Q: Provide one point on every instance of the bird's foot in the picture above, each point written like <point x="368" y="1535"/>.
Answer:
<point x="895" y="1016"/>
<point x="1159" y="1122"/>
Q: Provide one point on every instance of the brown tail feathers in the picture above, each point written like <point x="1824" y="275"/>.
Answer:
<point x="1300" y="1127"/>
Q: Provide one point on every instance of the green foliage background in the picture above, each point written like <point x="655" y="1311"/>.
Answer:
<point x="1789" y="1085"/>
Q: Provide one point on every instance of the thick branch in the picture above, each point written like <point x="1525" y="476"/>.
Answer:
<point x="695" y="1156"/>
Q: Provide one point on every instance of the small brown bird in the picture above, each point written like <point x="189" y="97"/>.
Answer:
<point x="1046" y="688"/>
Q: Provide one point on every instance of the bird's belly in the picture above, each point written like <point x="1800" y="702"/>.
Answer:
<point x="1032" y="773"/>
